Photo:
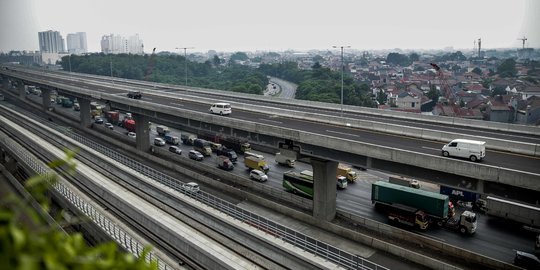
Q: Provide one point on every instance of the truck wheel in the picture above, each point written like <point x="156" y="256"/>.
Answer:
<point x="473" y="158"/>
<point x="462" y="230"/>
<point x="221" y="113"/>
<point x="439" y="223"/>
<point x="445" y="154"/>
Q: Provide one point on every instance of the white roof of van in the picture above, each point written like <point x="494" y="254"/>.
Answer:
<point x="222" y="103"/>
<point x="469" y="141"/>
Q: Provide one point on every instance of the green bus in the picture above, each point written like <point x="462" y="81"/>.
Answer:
<point x="299" y="183"/>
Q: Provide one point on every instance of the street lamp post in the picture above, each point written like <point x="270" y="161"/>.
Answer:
<point x="185" y="59"/>
<point x="110" y="61"/>
<point x="342" y="70"/>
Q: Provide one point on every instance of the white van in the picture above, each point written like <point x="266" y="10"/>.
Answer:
<point x="473" y="150"/>
<point x="221" y="108"/>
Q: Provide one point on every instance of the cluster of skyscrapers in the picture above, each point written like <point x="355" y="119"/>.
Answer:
<point x="52" y="42"/>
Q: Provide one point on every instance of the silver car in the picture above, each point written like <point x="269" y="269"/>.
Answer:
<point x="191" y="187"/>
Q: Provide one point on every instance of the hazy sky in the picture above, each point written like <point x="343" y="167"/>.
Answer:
<point x="249" y="25"/>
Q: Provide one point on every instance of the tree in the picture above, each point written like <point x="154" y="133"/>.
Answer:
<point x="33" y="245"/>
<point x="498" y="91"/>
<point x="382" y="97"/>
<point x="414" y="57"/>
<point x="216" y="61"/>
<point x="477" y="71"/>
<point x="398" y="59"/>
<point x="240" y="56"/>
<point x="433" y="93"/>
<point x="507" y="68"/>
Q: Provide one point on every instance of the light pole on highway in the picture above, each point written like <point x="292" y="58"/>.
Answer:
<point x="342" y="70"/>
<point x="185" y="59"/>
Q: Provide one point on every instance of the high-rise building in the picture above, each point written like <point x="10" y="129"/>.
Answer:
<point x="117" y="44"/>
<point x="76" y="43"/>
<point x="51" y="42"/>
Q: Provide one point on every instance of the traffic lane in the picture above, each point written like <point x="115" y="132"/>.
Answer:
<point x="80" y="84"/>
<point x="493" y="239"/>
<point x="416" y="123"/>
<point x="493" y="158"/>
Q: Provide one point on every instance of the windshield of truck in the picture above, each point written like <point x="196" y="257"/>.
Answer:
<point x="471" y="219"/>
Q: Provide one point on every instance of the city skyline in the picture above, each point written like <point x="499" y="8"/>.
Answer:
<point x="239" y="26"/>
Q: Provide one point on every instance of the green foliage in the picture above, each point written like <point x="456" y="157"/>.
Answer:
<point x="498" y="91"/>
<point x="456" y="56"/>
<point x="414" y="57"/>
<point x="31" y="245"/>
<point x="433" y="93"/>
<point x="171" y="69"/>
<point x="477" y="71"/>
<point x="239" y="56"/>
<point x="320" y="84"/>
<point x="507" y="68"/>
<point x="398" y="59"/>
<point x="382" y="97"/>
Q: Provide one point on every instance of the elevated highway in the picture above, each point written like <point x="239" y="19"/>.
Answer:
<point x="404" y="150"/>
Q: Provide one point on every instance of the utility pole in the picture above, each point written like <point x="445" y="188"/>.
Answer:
<point x="342" y="70"/>
<point x="185" y="59"/>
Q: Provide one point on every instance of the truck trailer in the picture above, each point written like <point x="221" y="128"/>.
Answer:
<point x="461" y="196"/>
<point x="525" y="214"/>
<point x="435" y="206"/>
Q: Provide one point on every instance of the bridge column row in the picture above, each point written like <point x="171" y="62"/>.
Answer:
<point x="46" y="98"/>
<point x="22" y="90"/>
<point x="143" y="134"/>
<point x="324" y="189"/>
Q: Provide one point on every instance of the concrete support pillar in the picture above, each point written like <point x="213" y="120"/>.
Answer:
<point x="22" y="90"/>
<point x="85" y="112"/>
<point x="480" y="186"/>
<point x="46" y="95"/>
<point x="324" y="189"/>
<point x="143" y="134"/>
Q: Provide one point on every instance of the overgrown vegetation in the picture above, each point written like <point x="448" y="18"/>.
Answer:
<point x="27" y="243"/>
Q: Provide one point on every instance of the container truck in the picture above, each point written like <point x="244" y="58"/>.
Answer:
<point x="236" y="144"/>
<point x="435" y="206"/>
<point x="343" y="170"/>
<point x="224" y="162"/>
<point x="113" y="117"/>
<point x="129" y="125"/>
<point x="402" y="181"/>
<point x="284" y="160"/>
<point x="525" y="214"/>
<point x="202" y="146"/>
<point x="255" y="163"/>
<point x="224" y="151"/>
<point x="187" y="138"/>
<point x="172" y="139"/>
<point x="162" y="130"/>
<point x="460" y="196"/>
<point x="66" y="102"/>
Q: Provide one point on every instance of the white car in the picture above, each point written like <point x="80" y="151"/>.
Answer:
<point x="258" y="175"/>
<point x="109" y="125"/>
<point x="191" y="187"/>
<point x="221" y="108"/>
<point x="132" y="135"/>
<point x="159" y="142"/>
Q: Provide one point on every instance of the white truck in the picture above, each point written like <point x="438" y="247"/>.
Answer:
<point x="162" y="130"/>
<point x="284" y="160"/>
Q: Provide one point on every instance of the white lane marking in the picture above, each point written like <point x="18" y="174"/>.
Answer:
<point x="431" y="148"/>
<point x="146" y="98"/>
<point x="271" y="121"/>
<point x="342" y="133"/>
<point x="177" y="104"/>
